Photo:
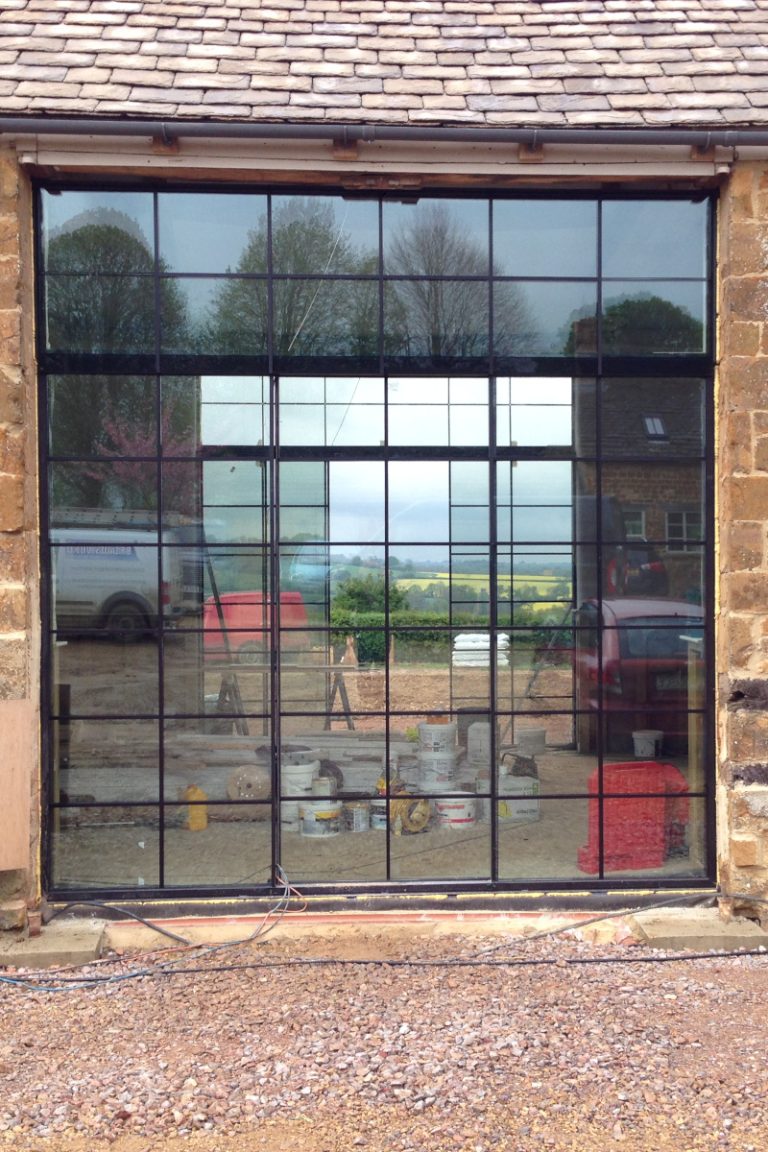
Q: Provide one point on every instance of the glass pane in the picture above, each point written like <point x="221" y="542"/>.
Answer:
<point x="652" y="417"/>
<point x="314" y="851"/>
<point x="538" y="838"/>
<point x="455" y="846"/>
<point x="356" y="502"/>
<point x="650" y="319"/>
<point x="535" y="500"/>
<point x="332" y="411"/>
<point x="211" y="232"/>
<point x="436" y="238"/>
<point x="217" y="500"/>
<point x="214" y="411"/>
<point x="437" y="412"/>
<point x="103" y="761"/>
<point x="106" y="658"/>
<point x="419" y="500"/>
<point x="98" y="231"/>
<point x="218" y="845"/>
<point x="103" y="314"/>
<point x="102" y="415"/>
<point x="326" y="318"/>
<point x="534" y="588"/>
<point x="654" y="238"/>
<point x="545" y="237"/>
<point x="119" y="493"/>
<point x="534" y="411"/>
<point x="544" y="319"/>
<point x="214" y="316"/>
<point x="324" y="234"/>
<point x="420" y="677"/>
<point x="210" y="570"/>
<point x="436" y="318"/>
<point x="97" y="847"/>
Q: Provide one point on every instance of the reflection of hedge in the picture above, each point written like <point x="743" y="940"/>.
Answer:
<point x="417" y="634"/>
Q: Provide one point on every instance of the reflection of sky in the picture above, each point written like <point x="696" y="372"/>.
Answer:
<point x="429" y="500"/>
<point x="63" y="209"/>
<point x="654" y="238"/>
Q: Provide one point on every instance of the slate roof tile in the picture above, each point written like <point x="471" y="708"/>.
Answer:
<point x="515" y="62"/>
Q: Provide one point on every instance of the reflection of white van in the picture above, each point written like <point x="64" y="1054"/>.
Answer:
<point x="107" y="578"/>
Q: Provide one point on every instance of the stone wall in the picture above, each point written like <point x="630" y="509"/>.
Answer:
<point x="742" y="493"/>
<point x="19" y="628"/>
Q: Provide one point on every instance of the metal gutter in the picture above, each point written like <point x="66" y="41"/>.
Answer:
<point x="170" y="130"/>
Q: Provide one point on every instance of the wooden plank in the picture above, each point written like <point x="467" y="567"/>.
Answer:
<point x="17" y="768"/>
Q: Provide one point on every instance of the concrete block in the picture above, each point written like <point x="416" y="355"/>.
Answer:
<point x="60" y="942"/>
<point x="695" y="930"/>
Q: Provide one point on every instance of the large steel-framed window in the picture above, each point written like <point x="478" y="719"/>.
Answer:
<point x="342" y="565"/>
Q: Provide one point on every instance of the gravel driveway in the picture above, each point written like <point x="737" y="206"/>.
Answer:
<point x="296" y="1048"/>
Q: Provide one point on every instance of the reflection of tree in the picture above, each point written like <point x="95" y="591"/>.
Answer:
<point x="116" y="418"/>
<point x="311" y="317"/>
<point x="446" y="317"/>
<point x="100" y="299"/>
<point x="99" y="295"/>
<point x="641" y="325"/>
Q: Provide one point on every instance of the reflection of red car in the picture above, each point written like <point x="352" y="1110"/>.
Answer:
<point x="241" y="619"/>
<point x="641" y="676"/>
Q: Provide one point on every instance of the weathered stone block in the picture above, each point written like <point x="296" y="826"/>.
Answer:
<point x="742" y="189"/>
<point x="746" y="736"/>
<point x="746" y="591"/>
<point x="11" y="503"/>
<point x="13" y="608"/>
<point x="736" y="436"/>
<point x="741" y="339"/>
<point x="748" y="497"/>
<point x="745" y="851"/>
<point x="756" y="802"/>
<point x="13" y="669"/>
<point x="741" y="645"/>
<point x="745" y="299"/>
<point x="743" y="382"/>
<point x="13" y="558"/>
<point x="11" y="396"/>
<point x="743" y="545"/>
<point x="13" y="915"/>
<point x="746" y="241"/>
<point x="11" y="450"/>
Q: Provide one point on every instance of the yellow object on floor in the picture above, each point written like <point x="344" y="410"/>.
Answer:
<point x="197" y="817"/>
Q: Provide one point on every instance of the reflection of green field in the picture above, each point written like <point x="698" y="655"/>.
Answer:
<point x="540" y="585"/>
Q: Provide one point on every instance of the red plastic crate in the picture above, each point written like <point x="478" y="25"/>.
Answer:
<point x="640" y="831"/>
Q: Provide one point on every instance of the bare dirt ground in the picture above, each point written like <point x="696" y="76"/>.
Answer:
<point x="380" y="1040"/>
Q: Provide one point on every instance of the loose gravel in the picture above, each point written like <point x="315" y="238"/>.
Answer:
<point x="294" y="1047"/>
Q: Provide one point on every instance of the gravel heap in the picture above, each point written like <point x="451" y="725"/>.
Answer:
<point x="295" y="1047"/>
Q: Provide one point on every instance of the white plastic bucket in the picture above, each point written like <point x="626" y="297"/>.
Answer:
<point x="356" y="815"/>
<point x="320" y="817"/>
<point x="437" y="769"/>
<point x="296" y="779"/>
<point x="437" y="737"/>
<point x="456" y="810"/>
<point x="379" y="814"/>
<point x="647" y="742"/>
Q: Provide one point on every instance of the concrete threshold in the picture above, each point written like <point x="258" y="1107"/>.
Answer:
<point x="73" y="941"/>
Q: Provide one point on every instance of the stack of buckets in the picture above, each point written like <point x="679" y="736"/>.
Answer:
<point x="297" y="771"/>
<point x="438" y="757"/>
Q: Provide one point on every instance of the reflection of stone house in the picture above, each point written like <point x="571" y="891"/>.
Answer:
<point x="660" y="503"/>
<point x="533" y="100"/>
